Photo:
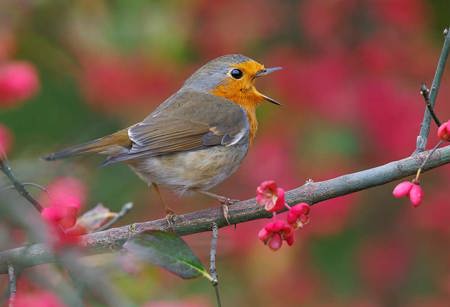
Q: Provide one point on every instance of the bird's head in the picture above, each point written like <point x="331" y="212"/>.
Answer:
<point x="232" y="77"/>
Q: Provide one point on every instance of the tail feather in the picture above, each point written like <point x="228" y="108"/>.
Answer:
<point x="107" y="145"/>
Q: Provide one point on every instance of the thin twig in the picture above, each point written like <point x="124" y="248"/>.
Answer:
<point x="6" y="169"/>
<point x="200" y="221"/>
<point x="425" y="92"/>
<point x="31" y="184"/>
<point x="212" y="262"/>
<point x="12" y="286"/>
<point x="425" y="126"/>
<point x="431" y="152"/>
<point x="125" y="209"/>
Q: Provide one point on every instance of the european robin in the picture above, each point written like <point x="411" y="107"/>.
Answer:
<point x="196" y="138"/>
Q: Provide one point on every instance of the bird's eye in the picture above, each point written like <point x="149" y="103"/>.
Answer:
<point x="236" y="73"/>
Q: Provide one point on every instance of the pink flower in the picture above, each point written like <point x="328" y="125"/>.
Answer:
<point x="5" y="140"/>
<point x="275" y="232"/>
<point x="411" y="189"/>
<point x="270" y="196"/>
<point x="444" y="131"/>
<point x="298" y="215"/>
<point x="402" y="189"/>
<point x="66" y="192"/>
<point x="62" y="203"/>
<point x="65" y="216"/>
<point x="18" y="82"/>
<point x="416" y="194"/>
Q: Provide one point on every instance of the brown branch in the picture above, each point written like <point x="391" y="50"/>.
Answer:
<point x="200" y="221"/>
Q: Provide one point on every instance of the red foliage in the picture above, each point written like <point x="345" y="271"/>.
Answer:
<point x="38" y="299"/>
<point x="114" y="84"/>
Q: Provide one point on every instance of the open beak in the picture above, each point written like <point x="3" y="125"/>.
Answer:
<point x="265" y="72"/>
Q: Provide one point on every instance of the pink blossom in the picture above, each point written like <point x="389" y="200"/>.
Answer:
<point x="298" y="215"/>
<point x="18" y="82"/>
<point x="411" y="189"/>
<point x="66" y="217"/>
<point x="416" y="194"/>
<point x="62" y="203"/>
<point x="444" y="131"/>
<point x="66" y="192"/>
<point x="275" y="232"/>
<point x="270" y="196"/>
<point x="402" y="189"/>
<point x="5" y="140"/>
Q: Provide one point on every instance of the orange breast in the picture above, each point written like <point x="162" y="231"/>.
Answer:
<point x="248" y="100"/>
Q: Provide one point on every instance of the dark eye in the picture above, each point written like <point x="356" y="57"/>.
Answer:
<point x="236" y="73"/>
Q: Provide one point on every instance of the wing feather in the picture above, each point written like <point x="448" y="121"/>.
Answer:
<point x="188" y="121"/>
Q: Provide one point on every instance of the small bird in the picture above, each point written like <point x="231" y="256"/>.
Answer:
<point x="197" y="137"/>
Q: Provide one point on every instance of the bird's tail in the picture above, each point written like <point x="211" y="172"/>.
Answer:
<point x="110" y="145"/>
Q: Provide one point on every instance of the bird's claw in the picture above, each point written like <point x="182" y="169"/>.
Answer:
<point x="170" y="218"/>
<point x="225" y="201"/>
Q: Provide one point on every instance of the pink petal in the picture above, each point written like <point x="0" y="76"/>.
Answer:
<point x="275" y="242"/>
<point x="263" y="235"/>
<point x="444" y="131"/>
<point x="402" y="189"/>
<point x="290" y="238"/>
<point x="279" y="202"/>
<point x="416" y="195"/>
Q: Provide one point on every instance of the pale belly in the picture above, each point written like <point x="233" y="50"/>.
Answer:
<point x="194" y="170"/>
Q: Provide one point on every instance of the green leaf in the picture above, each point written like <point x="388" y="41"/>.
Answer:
<point x="169" y="251"/>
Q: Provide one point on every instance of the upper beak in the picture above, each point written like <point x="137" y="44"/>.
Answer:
<point x="264" y="72"/>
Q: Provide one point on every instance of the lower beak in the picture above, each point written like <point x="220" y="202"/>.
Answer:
<point x="270" y="100"/>
<point x="265" y="72"/>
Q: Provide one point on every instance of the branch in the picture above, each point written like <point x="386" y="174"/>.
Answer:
<point x="12" y="286"/>
<point x="4" y="167"/>
<point x="425" y="126"/>
<point x="212" y="263"/>
<point x="200" y="221"/>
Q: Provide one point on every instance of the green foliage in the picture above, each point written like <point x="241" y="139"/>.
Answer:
<point x="169" y="251"/>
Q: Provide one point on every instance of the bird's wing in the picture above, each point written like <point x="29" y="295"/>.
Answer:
<point x="191" y="121"/>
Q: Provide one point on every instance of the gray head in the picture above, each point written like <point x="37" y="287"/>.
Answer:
<point x="228" y="76"/>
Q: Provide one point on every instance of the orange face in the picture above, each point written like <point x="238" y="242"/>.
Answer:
<point x="239" y="87"/>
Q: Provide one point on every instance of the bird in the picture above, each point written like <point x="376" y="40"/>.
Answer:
<point x="197" y="137"/>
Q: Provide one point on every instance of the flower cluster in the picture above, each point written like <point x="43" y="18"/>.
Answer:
<point x="275" y="232"/>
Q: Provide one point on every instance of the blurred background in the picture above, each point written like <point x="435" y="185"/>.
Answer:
<point x="350" y="94"/>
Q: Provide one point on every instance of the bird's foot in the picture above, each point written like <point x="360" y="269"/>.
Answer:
<point x="225" y="201"/>
<point x="170" y="218"/>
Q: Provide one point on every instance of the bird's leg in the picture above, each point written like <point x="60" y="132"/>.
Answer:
<point x="225" y="201"/>
<point x="170" y="214"/>
<point x="220" y="198"/>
